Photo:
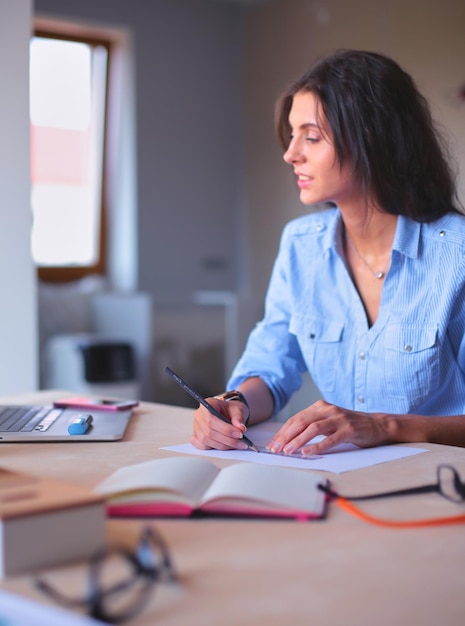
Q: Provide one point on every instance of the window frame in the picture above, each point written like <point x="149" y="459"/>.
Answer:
<point x="64" y="274"/>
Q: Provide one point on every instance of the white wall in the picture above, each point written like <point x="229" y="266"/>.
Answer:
<point x="18" y="307"/>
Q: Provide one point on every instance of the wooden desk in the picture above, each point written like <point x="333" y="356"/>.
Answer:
<point x="340" y="571"/>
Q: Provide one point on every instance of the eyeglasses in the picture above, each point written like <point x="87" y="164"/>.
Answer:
<point x="119" y="581"/>
<point x="449" y="485"/>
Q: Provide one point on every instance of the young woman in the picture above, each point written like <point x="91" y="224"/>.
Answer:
<point x="369" y="295"/>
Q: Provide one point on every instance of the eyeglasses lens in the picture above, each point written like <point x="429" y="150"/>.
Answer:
<point x="116" y="584"/>
<point x="450" y="484"/>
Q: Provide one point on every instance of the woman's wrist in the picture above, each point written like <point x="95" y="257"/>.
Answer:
<point x="235" y="395"/>
<point x="406" y="428"/>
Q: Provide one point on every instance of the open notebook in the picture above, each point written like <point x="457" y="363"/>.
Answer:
<point x="46" y="423"/>
<point x="185" y="486"/>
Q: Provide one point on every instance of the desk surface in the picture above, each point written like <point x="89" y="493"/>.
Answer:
<point x="336" y="571"/>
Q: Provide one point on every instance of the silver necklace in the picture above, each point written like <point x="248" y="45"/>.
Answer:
<point x="380" y="274"/>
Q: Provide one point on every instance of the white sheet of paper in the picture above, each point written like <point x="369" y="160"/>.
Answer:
<point x="342" y="458"/>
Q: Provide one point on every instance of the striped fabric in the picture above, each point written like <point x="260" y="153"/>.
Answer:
<point x="411" y="360"/>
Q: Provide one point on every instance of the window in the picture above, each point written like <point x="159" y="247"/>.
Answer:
<point x="68" y="99"/>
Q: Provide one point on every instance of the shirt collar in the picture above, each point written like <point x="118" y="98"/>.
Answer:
<point x="406" y="238"/>
<point x="333" y="235"/>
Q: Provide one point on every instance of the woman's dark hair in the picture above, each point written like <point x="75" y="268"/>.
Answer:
<point x="382" y="126"/>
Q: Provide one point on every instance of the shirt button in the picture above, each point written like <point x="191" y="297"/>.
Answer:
<point x="442" y="233"/>
<point x="362" y="356"/>
<point x="361" y="399"/>
<point x="408" y="348"/>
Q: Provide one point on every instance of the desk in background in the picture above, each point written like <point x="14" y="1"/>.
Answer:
<point x="339" y="571"/>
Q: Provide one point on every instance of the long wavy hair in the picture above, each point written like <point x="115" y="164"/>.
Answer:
<point x="382" y="125"/>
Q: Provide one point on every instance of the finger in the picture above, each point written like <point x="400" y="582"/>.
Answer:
<point x="298" y="443"/>
<point x="206" y="443"/>
<point x="211" y="432"/>
<point x="335" y="429"/>
<point x="324" y="445"/>
<point x="299" y="429"/>
<point x="207" y="425"/>
<point x="195" y="441"/>
<point x="207" y="422"/>
<point x="285" y="434"/>
<point x="236" y="412"/>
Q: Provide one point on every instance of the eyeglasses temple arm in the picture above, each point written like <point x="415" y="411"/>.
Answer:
<point x="386" y="494"/>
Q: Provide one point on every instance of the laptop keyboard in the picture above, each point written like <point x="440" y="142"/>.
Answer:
<point x="27" y="418"/>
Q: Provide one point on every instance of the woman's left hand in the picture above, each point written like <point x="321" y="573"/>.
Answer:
<point x="337" y="424"/>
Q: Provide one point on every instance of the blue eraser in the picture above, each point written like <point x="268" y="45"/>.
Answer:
<point x="80" y="425"/>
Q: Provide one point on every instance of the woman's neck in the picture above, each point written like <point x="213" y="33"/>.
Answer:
<point x="370" y="231"/>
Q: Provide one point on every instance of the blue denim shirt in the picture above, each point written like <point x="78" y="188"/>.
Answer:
<point x="411" y="360"/>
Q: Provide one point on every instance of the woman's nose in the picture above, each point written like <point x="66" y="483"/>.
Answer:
<point x="292" y="154"/>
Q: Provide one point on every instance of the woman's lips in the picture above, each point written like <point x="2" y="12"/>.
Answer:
<point x="303" y="181"/>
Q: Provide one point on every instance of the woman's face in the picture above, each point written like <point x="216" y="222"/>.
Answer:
<point x="311" y="153"/>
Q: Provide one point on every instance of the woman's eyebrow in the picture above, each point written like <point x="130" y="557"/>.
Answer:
<point x="307" y="125"/>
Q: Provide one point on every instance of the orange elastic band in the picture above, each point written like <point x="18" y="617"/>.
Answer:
<point x="354" y="510"/>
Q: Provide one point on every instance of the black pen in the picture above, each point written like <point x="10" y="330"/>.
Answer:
<point x="204" y="403"/>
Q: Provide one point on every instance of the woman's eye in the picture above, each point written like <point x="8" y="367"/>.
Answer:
<point x="313" y="139"/>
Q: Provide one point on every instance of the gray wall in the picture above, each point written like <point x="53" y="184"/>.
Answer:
<point x="284" y="37"/>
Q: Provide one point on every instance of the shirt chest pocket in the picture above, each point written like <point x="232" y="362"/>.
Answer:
<point x="411" y="361"/>
<point x="320" y="342"/>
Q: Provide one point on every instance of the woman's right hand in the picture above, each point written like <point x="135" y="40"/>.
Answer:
<point x="211" y="432"/>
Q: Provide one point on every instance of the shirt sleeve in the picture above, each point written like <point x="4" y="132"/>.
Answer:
<point x="272" y="352"/>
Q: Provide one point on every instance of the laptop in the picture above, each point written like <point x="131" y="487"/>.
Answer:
<point x="40" y="423"/>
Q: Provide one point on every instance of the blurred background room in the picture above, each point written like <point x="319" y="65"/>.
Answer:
<point x="142" y="190"/>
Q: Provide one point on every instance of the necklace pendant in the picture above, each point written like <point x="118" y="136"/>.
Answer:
<point x="378" y="275"/>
